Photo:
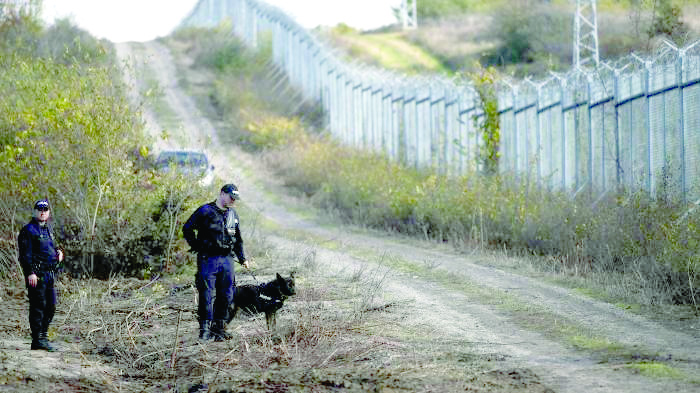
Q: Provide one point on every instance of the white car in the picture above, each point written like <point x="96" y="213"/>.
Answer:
<point x="187" y="162"/>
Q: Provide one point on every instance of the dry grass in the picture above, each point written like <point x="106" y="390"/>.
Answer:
<point x="132" y="335"/>
<point x="340" y="331"/>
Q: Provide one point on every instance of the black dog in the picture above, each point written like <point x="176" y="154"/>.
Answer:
<point x="268" y="298"/>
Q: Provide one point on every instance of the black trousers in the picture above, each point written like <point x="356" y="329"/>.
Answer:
<point x="216" y="283"/>
<point x="42" y="303"/>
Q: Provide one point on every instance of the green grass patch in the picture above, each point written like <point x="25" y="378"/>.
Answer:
<point x="657" y="370"/>
<point x="589" y="292"/>
<point x="593" y="343"/>
<point x="390" y="51"/>
<point x="635" y="308"/>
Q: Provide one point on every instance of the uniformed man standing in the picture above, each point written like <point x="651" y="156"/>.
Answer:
<point x="213" y="232"/>
<point x="39" y="258"/>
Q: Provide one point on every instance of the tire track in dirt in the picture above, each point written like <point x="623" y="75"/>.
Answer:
<point x="460" y="318"/>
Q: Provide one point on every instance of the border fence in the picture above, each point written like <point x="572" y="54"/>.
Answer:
<point x="629" y="126"/>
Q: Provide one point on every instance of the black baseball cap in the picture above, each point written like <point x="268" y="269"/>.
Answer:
<point x="41" y="204"/>
<point x="232" y="190"/>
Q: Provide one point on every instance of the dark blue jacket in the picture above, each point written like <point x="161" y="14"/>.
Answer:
<point x="207" y="233"/>
<point x="37" y="248"/>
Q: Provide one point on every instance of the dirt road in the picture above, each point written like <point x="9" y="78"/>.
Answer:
<point x="448" y="312"/>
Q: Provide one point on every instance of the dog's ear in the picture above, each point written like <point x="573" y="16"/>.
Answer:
<point x="279" y="278"/>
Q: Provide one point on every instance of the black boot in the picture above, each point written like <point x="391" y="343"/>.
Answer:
<point x="204" y="332"/>
<point x="42" y="342"/>
<point x="35" y="340"/>
<point x="218" y="329"/>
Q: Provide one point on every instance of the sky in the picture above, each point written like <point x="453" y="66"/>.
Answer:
<point x="145" y="20"/>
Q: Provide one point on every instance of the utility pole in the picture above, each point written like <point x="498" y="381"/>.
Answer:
<point x="585" y="35"/>
<point x="409" y="15"/>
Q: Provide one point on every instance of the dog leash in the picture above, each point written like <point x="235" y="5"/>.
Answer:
<point x="251" y="273"/>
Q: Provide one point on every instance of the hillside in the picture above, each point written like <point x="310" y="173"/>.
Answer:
<point x="523" y="38"/>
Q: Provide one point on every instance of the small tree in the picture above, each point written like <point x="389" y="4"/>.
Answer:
<point x="667" y="21"/>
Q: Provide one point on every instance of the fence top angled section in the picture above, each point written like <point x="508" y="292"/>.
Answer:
<point x="623" y="79"/>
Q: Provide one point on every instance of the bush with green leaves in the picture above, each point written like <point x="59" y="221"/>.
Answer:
<point x="23" y="33"/>
<point x="69" y="134"/>
<point x="530" y="37"/>
<point x="667" y="21"/>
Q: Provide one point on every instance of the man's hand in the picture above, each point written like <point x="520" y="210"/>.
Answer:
<point x="60" y="255"/>
<point x="245" y="264"/>
<point x="33" y="280"/>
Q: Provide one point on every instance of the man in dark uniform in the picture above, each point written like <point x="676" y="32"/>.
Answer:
<point x="39" y="258"/>
<point x="213" y="232"/>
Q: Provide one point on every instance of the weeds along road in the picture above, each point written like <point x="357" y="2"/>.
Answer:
<point x="523" y="322"/>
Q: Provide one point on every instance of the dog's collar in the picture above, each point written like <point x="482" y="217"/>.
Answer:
<point x="268" y="298"/>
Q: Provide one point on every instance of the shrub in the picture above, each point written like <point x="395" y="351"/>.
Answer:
<point x="272" y="131"/>
<point x="668" y="21"/>
<point x="68" y="133"/>
<point x="529" y="32"/>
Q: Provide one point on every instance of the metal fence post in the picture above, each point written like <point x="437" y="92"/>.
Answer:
<point x="589" y="180"/>
<point x="647" y="102"/>
<point x="681" y="102"/>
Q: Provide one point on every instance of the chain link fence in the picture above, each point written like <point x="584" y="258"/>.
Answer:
<point x="629" y="126"/>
